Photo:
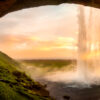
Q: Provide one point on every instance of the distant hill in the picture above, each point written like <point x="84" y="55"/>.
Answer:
<point x="16" y="85"/>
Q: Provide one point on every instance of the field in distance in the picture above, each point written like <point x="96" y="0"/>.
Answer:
<point x="55" y="63"/>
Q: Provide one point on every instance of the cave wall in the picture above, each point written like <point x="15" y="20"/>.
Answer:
<point x="7" y="6"/>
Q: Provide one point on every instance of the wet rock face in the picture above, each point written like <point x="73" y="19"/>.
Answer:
<point x="7" y="6"/>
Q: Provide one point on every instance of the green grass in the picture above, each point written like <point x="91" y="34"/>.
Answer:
<point x="16" y="85"/>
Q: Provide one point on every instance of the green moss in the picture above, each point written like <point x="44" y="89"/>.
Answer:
<point x="7" y="93"/>
<point x="16" y="85"/>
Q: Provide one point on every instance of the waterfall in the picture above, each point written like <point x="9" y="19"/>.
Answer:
<point x="88" y="61"/>
<point x="82" y="42"/>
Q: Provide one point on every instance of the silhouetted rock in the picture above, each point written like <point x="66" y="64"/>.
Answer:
<point x="66" y="97"/>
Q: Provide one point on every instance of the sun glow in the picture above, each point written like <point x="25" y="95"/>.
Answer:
<point x="93" y="50"/>
<point x="91" y="55"/>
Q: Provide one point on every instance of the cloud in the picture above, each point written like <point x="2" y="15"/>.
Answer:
<point x="45" y="21"/>
<point x="40" y="32"/>
<point x="21" y="46"/>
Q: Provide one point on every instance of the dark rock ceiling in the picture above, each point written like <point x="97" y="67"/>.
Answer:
<point x="7" y="6"/>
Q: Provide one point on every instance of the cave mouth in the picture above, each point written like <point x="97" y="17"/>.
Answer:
<point x="53" y="31"/>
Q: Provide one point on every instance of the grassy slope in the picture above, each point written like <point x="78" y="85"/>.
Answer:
<point x="15" y="85"/>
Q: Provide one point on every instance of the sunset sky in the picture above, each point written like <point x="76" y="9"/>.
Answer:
<point x="43" y="32"/>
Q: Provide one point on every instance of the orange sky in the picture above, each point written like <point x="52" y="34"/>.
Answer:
<point x="43" y="32"/>
<point x="33" y="47"/>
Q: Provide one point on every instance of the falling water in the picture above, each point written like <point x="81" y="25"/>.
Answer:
<point x="88" y="48"/>
<point x="82" y="39"/>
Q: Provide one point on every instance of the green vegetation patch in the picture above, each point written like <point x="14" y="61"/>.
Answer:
<point x="16" y="85"/>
